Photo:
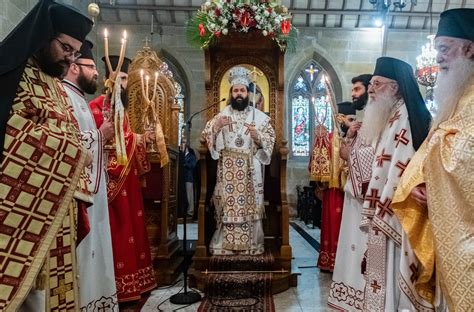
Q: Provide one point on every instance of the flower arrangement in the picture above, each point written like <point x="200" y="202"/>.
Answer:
<point x="220" y="17"/>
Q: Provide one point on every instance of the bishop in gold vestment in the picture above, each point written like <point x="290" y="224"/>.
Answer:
<point x="434" y="200"/>
<point x="241" y="138"/>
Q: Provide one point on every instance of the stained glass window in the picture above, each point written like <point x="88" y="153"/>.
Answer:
<point x="301" y="85"/>
<point x="310" y="98"/>
<point x="300" y="126"/>
<point x="179" y="98"/>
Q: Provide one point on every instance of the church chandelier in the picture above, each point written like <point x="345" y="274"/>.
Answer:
<point x="426" y="66"/>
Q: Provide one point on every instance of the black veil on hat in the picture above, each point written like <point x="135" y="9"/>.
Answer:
<point x="457" y="23"/>
<point x="418" y="114"/>
<point x="86" y="50"/>
<point x="32" y="33"/>
<point x="114" y="62"/>
<point x="346" y="108"/>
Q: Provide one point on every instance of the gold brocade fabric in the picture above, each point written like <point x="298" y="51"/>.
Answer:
<point x="320" y="162"/>
<point x="237" y="201"/>
<point x="336" y="161"/>
<point x="414" y="220"/>
<point x="448" y="171"/>
<point x="62" y="290"/>
<point x="39" y="175"/>
<point x="161" y="144"/>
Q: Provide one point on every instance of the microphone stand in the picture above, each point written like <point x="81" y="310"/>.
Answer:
<point x="188" y="297"/>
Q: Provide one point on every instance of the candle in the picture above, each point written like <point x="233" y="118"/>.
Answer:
<point x="122" y="53"/>
<point x="143" y="84"/>
<point x="154" y="87"/>
<point x="152" y="23"/>
<point x="106" y="50"/>
<point x="147" y="79"/>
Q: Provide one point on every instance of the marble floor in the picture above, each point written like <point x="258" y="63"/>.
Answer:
<point x="310" y="295"/>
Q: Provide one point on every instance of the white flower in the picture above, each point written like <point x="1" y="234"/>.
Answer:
<point x="254" y="7"/>
<point x="224" y="21"/>
<point x="265" y="33"/>
<point x="225" y="31"/>
<point x="208" y="3"/>
<point x="266" y="13"/>
<point x="258" y="18"/>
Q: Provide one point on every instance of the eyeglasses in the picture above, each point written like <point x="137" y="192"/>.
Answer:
<point x="93" y="67"/>
<point x="68" y="49"/>
<point x="377" y="84"/>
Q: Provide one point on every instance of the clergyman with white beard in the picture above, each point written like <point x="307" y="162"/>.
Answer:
<point x="435" y="192"/>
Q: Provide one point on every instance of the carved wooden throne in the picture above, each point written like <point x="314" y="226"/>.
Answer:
<point x="251" y="49"/>
<point x="159" y="194"/>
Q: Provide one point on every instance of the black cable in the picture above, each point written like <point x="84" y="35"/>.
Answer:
<point x="183" y="307"/>
<point x="158" y="307"/>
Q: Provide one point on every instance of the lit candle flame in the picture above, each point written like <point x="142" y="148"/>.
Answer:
<point x="125" y="35"/>
<point x="106" y="34"/>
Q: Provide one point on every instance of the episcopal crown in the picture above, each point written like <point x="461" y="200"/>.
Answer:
<point x="239" y="75"/>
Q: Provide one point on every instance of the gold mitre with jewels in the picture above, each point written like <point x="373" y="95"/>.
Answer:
<point x="239" y="75"/>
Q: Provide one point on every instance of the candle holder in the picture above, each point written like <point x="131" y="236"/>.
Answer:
<point x="110" y="108"/>
<point x="149" y="122"/>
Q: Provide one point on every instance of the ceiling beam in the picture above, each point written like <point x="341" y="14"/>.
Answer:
<point x="404" y="30"/>
<point x="293" y="11"/>
<point x="358" y="16"/>
<point x="341" y="20"/>
<point x="326" y="4"/>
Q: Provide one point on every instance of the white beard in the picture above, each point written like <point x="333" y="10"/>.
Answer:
<point x="376" y="115"/>
<point x="450" y="86"/>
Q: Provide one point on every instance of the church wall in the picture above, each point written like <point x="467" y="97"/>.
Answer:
<point x="11" y="12"/>
<point x="350" y="52"/>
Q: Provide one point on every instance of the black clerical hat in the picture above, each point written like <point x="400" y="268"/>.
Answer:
<point x="114" y="62"/>
<point x="86" y="50"/>
<point x="345" y="108"/>
<point x="418" y="114"/>
<point x="70" y="21"/>
<point x="457" y="23"/>
<point x="388" y="67"/>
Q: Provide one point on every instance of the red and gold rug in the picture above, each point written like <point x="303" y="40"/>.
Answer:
<point x="240" y="291"/>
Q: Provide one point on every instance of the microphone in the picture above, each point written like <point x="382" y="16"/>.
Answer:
<point x="204" y="109"/>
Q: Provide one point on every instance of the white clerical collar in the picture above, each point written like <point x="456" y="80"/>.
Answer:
<point x="73" y="87"/>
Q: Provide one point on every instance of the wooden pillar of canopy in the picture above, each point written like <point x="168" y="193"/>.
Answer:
<point x="160" y="184"/>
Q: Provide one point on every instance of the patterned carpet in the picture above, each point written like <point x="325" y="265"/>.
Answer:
<point x="239" y="292"/>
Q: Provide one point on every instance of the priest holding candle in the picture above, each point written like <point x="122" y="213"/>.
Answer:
<point x="127" y="161"/>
